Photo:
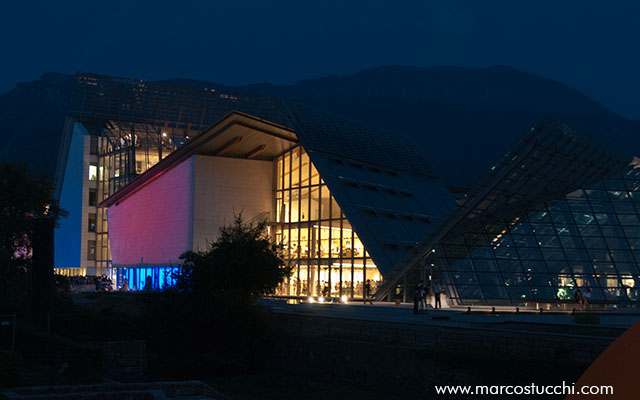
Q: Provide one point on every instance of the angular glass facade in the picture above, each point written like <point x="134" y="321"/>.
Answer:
<point x="589" y="238"/>
<point x="316" y="238"/>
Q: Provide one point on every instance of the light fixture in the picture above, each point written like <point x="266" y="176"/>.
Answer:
<point x="164" y="134"/>
<point x="311" y="300"/>
<point x="320" y="299"/>
<point x="344" y="299"/>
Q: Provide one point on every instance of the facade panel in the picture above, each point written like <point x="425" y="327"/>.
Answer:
<point x="154" y="225"/>
<point x="225" y="187"/>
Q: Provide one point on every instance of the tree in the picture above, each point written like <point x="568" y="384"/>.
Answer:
<point x="24" y="199"/>
<point x="210" y="323"/>
<point x="240" y="266"/>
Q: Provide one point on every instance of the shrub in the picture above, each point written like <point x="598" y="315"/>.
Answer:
<point x="211" y="323"/>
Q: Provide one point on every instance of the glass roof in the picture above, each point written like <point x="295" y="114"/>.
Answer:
<point x="551" y="161"/>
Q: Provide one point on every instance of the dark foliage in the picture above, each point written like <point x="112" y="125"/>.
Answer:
<point x="239" y="267"/>
<point x="23" y="199"/>
<point x="212" y="323"/>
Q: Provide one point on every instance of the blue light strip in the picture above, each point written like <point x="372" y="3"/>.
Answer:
<point x="161" y="277"/>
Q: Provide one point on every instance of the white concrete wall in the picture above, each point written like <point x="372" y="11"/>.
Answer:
<point x="156" y="222"/>
<point x="224" y="186"/>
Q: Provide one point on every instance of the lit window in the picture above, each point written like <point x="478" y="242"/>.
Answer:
<point x="93" y="172"/>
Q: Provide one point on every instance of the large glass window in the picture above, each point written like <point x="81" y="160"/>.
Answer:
<point x="327" y="256"/>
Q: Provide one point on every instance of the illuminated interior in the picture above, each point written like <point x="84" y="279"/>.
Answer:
<point x="316" y="239"/>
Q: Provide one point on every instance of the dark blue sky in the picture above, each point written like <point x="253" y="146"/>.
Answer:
<point x="590" y="45"/>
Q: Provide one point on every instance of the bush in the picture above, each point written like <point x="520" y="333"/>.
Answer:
<point x="211" y="323"/>
<point x="239" y="267"/>
<point x="24" y="200"/>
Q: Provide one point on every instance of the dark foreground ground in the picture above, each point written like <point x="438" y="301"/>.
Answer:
<point x="270" y="386"/>
<point x="320" y="351"/>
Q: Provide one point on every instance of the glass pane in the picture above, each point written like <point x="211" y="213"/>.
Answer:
<point x="315" y="203"/>
<point x="304" y="172"/>
<point x="335" y="209"/>
<point x="315" y="176"/>
<point x="295" y="168"/>
<point x="304" y="204"/>
<point x="279" y="173"/>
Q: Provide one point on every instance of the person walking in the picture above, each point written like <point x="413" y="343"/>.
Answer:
<point x="417" y="297"/>
<point x="586" y="298"/>
<point x="425" y="299"/>
<point x="577" y="296"/>
<point x="367" y="292"/>
<point x="125" y="286"/>
<point x="422" y="295"/>
<point x="436" y="294"/>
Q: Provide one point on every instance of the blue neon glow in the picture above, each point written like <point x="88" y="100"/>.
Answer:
<point x="161" y="277"/>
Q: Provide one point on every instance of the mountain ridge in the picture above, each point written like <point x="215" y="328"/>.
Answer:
<point x="463" y="118"/>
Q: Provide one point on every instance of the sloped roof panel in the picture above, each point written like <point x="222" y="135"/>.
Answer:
<point x="551" y="161"/>
<point x="332" y="134"/>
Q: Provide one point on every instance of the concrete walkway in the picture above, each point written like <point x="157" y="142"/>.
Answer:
<point x="454" y="317"/>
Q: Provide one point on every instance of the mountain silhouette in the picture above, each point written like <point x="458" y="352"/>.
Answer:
<point x="463" y="119"/>
<point x="32" y="119"/>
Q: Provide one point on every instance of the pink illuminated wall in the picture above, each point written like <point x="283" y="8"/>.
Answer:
<point x="154" y="224"/>
<point x="184" y="208"/>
